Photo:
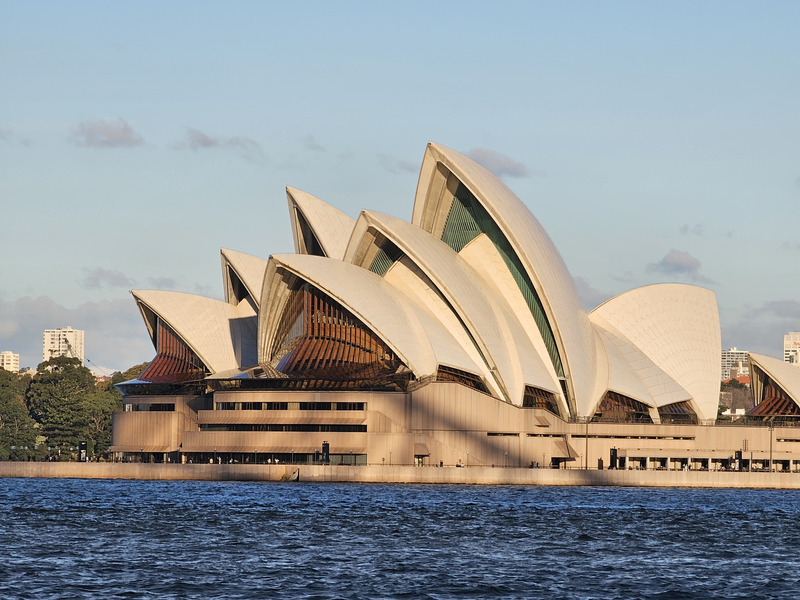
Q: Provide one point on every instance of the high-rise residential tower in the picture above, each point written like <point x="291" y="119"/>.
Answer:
<point x="791" y="348"/>
<point x="64" y="341"/>
<point x="730" y="358"/>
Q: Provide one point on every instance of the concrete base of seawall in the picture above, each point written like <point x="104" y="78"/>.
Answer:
<point x="401" y="474"/>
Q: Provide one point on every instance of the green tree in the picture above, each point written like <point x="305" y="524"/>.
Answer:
<point x="17" y="429"/>
<point x="57" y="400"/>
<point x="97" y="409"/>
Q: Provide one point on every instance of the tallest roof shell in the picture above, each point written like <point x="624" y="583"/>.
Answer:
<point x="543" y="264"/>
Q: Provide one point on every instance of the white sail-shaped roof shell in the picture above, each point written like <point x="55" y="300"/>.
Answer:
<point x="510" y="360"/>
<point x="410" y="330"/>
<point x="222" y="335"/>
<point x="330" y="226"/>
<point x="676" y="328"/>
<point x="250" y="271"/>
<point x="545" y="268"/>
<point x="786" y="375"/>
<point x="631" y="373"/>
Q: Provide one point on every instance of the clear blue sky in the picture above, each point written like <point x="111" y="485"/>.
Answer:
<point x="654" y="141"/>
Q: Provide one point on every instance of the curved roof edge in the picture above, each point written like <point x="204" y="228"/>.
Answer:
<point x="249" y="269"/>
<point x="534" y="248"/>
<point x="511" y="359"/>
<point x="214" y="330"/>
<point x="676" y="326"/>
<point x="330" y="227"/>
<point x="366" y="295"/>
<point x="784" y="374"/>
<point x="633" y="374"/>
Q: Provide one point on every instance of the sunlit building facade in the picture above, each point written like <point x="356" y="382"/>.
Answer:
<point x="64" y="341"/>
<point x="455" y="336"/>
<point x="9" y="361"/>
<point x="791" y="348"/>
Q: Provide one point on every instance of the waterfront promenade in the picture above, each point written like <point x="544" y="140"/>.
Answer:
<point x="402" y="474"/>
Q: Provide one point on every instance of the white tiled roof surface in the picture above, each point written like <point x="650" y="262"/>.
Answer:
<point x="677" y="328"/>
<point x="331" y="226"/>
<point x="211" y="328"/>
<point x="534" y="248"/>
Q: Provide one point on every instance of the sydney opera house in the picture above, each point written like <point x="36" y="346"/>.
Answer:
<point x="457" y="338"/>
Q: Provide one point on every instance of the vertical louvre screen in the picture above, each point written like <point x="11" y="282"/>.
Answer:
<point x="677" y="413"/>
<point x="775" y="403"/>
<point x="388" y="254"/>
<point x="617" y="408"/>
<point x="175" y="361"/>
<point x="326" y="341"/>
<point x="538" y="398"/>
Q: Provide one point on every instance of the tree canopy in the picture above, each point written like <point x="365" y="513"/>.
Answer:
<point x="49" y="414"/>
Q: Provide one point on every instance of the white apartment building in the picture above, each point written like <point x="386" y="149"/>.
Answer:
<point x="9" y="361"/>
<point x="730" y="359"/>
<point x="791" y="348"/>
<point x="64" y="341"/>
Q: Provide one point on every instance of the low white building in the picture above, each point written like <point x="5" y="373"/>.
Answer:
<point x="9" y="361"/>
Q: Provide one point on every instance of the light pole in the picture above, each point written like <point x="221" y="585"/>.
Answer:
<point x="215" y="454"/>
<point x="543" y="460"/>
<point x="771" y="425"/>
<point x="586" y="466"/>
<point x="390" y="458"/>
<point x="467" y="457"/>
<point x="254" y="455"/>
<point x="292" y="455"/>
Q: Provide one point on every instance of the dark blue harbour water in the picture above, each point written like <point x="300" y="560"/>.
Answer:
<point x="140" y="539"/>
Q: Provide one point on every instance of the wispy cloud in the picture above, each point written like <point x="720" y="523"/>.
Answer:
<point x="206" y="290"/>
<point x="499" y="164"/>
<point x="245" y="147"/>
<point x="162" y="283"/>
<point x="677" y="263"/>
<point x="691" y="229"/>
<point x="397" y="165"/>
<point x="779" y="309"/>
<point x="98" y="278"/>
<point x="10" y="137"/>
<point x="311" y="144"/>
<point x="102" y="133"/>
<point x="590" y="297"/>
<point x="761" y="329"/>
<point x="791" y="246"/>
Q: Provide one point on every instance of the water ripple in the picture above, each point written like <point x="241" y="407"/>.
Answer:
<point x="141" y="539"/>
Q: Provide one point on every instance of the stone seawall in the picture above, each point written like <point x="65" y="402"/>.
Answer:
<point x="400" y="474"/>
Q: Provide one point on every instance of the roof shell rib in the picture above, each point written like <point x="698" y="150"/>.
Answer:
<point x="554" y="285"/>
<point x="675" y="326"/>
<point x="220" y="334"/>
<point x="510" y="360"/>
<point x="633" y="374"/>
<point x="329" y="226"/>
<point x="407" y="328"/>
